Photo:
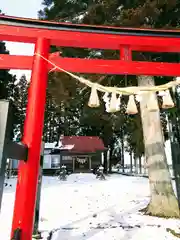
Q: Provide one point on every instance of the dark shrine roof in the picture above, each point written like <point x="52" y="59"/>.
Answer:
<point x="82" y="144"/>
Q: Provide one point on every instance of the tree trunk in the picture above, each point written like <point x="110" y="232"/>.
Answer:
<point x="131" y="162"/>
<point x="111" y="148"/>
<point x="140" y="165"/>
<point x="163" y="202"/>
<point x="110" y="159"/>
<point x="122" y="150"/>
<point x="135" y="165"/>
<point x="105" y="163"/>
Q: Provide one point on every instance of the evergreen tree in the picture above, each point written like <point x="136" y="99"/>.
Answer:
<point x="51" y="120"/>
<point x="62" y="108"/>
<point x="20" y="103"/>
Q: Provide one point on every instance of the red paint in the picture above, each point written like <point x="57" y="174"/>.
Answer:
<point x="96" y="66"/>
<point x="16" y="62"/>
<point x="22" y="62"/>
<point x="118" y="67"/>
<point x="87" y="40"/>
<point x="28" y="172"/>
<point x="83" y="144"/>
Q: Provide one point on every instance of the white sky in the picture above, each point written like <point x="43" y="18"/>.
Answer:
<point x="20" y="8"/>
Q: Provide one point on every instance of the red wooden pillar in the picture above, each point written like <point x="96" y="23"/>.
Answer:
<point x="28" y="172"/>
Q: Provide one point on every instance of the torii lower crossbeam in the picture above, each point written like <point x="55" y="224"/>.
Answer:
<point x="95" y="65"/>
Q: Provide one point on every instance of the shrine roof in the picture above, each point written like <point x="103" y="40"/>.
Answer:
<point x="82" y="144"/>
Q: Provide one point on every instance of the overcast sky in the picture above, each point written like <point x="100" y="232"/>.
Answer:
<point x="20" y="8"/>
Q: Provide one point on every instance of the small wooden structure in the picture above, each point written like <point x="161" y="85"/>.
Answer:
<point x="80" y="153"/>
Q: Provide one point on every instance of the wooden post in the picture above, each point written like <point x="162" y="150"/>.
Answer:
<point x="102" y="158"/>
<point x="36" y="217"/>
<point x="74" y="159"/>
<point x="90" y="163"/>
<point x="131" y="165"/>
<point x="140" y="166"/>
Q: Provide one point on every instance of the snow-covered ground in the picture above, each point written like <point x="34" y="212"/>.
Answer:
<point x="84" y="208"/>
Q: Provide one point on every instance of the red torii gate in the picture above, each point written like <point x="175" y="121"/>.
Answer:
<point x="45" y="33"/>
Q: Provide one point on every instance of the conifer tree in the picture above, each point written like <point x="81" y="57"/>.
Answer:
<point x="20" y="104"/>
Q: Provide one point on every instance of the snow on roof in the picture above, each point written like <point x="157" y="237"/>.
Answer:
<point x="64" y="146"/>
<point x="67" y="147"/>
<point x="50" y="145"/>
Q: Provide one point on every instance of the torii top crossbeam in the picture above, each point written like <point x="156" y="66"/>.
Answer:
<point x="125" y="40"/>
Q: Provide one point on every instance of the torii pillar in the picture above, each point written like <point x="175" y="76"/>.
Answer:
<point x="33" y="129"/>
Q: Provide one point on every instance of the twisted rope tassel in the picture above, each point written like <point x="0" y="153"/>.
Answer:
<point x="131" y="106"/>
<point x="94" y="99"/>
